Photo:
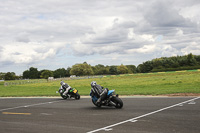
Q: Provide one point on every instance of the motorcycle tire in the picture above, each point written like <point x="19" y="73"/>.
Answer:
<point x="64" y="97"/>
<point x="77" y="96"/>
<point x="118" y="102"/>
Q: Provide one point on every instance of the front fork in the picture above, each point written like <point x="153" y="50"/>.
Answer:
<point x="111" y="102"/>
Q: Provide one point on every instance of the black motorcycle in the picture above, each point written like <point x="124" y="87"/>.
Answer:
<point x="73" y="93"/>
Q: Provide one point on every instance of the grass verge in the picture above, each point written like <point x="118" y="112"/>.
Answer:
<point x="136" y="84"/>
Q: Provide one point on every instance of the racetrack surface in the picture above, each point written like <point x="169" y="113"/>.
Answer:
<point x="139" y="115"/>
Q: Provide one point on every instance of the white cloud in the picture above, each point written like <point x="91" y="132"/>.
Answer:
<point x="144" y="49"/>
<point x="194" y="48"/>
<point x="29" y="52"/>
<point x="191" y="12"/>
<point x="143" y="37"/>
<point x="179" y="32"/>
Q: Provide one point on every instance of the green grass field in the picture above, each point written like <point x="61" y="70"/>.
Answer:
<point x="136" y="84"/>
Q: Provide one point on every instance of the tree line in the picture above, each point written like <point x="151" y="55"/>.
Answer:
<point x="83" y="69"/>
<point x="174" y="63"/>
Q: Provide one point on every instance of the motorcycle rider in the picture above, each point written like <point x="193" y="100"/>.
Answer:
<point x="98" y="91"/>
<point x="65" y="87"/>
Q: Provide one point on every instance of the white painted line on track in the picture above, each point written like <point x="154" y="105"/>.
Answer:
<point x="25" y="106"/>
<point x="133" y="119"/>
<point x="108" y="129"/>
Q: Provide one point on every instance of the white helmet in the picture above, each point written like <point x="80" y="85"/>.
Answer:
<point x="62" y="83"/>
<point x="93" y="83"/>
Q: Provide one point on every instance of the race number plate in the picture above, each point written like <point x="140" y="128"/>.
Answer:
<point x="75" y="91"/>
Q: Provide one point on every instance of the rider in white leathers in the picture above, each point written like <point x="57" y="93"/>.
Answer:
<point x="65" y="87"/>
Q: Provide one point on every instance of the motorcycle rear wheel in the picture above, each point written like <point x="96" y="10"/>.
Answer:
<point x="64" y="97"/>
<point x="98" y="105"/>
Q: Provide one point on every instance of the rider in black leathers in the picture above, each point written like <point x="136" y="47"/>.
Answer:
<point x="98" y="91"/>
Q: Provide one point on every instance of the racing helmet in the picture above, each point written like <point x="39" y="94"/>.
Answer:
<point x="93" y="83"/>
<point x="62" y="83"/>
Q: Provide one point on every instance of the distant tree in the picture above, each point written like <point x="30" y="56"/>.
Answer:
<point x="113" y="70"/>
<point x="197" y="58"/>
<point x="182" y="60"/>
<point x="100" y="69"/>
<point x="191" y="60"/>
<point x="122" y="69"/>
<point x="2" y="76"/>
<point x="131" y="68"/>
<point x="33" y="73"/>
<point x="148" y="66"/>
<point x="46" y="74"/>
<point x="95" y="71"/>
<point x="10" y="76"/>
<point x="26" y="74"/>
<point x="68" y="71"/>
<point x="107" y="68"/>
<point x="61" y="72"/>
<point x="40" y="73"/>
<point x="81" y="69"/>
<point x="175" y="64"/>
<point x="140" y="68"/>
<point x="156" y="63"/>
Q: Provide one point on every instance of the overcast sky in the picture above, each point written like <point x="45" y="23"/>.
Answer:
<point x="52" y="34"/>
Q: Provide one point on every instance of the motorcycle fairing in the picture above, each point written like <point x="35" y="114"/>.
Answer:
<point x="94" y="98"/>
<point x="110" y="92"/>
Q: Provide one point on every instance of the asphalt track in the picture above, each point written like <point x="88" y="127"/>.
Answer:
<point x="139" y="115"/>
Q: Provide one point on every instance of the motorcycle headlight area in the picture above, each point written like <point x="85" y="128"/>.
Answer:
<point x="60" y="91"/>
<point x="114" y="92"/>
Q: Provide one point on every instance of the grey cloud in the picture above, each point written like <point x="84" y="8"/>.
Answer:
<point x="162" y="15"/>
<point x="16" y="53"/>
<point x="186" y="2"/>
<point x="23" y="37"/>
<point x="114" y="35"/>
<point x="6" y="63"/>
<point x="1" y="48"/>
<point x="41" y="49"/>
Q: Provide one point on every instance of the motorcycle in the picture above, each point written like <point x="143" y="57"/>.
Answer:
<point x="72" y="93"/>
<point x="110" y="100"/>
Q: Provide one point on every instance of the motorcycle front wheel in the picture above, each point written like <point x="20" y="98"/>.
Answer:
<point x="118" y="102"/>
<point x="77" y="96"/>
